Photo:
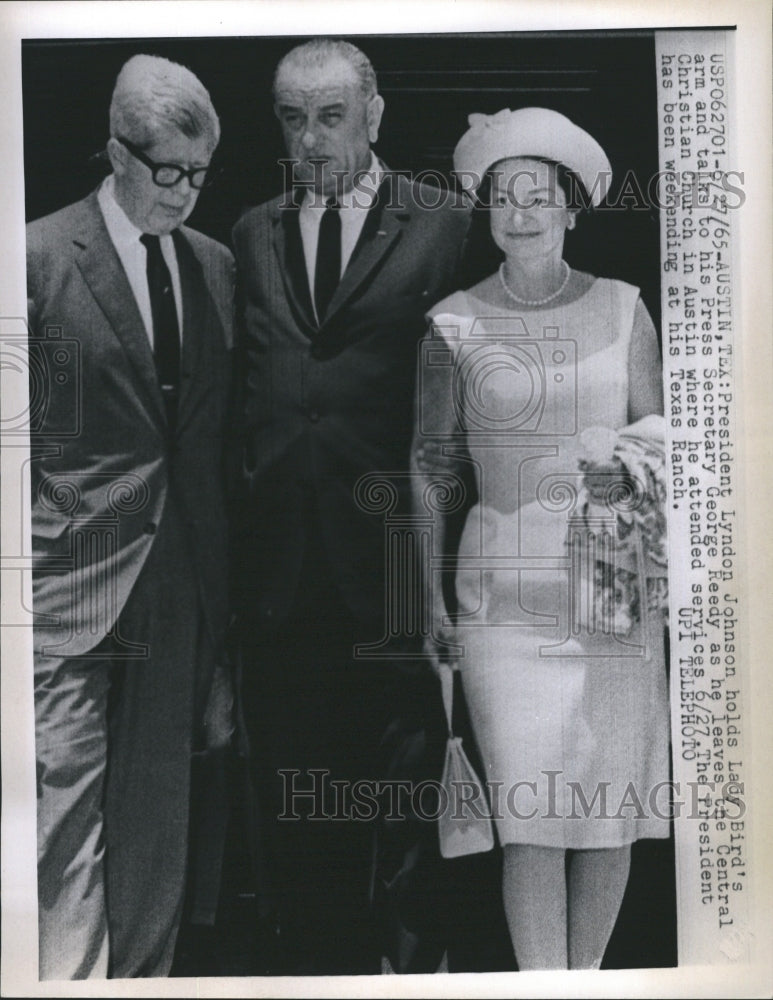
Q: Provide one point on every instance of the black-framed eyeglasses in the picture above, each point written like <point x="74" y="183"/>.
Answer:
<point x="168" y="174"/>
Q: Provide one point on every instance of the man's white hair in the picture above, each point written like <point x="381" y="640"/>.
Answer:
<point x="152" y="94"/>
<point x="319" y="52"/>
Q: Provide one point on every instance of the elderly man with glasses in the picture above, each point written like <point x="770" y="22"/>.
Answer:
<point x="131" y="319"/>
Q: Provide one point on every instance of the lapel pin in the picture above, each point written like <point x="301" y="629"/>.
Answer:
<point x="381" y="232"/>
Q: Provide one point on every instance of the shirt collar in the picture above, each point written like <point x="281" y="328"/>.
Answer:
<point x="362" y="194"/>
<point x="122" y="230"/>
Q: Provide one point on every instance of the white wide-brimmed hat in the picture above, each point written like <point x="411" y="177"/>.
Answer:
<point x="536" y="132"/>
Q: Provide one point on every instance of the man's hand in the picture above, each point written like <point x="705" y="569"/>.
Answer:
<point x="218" y="717"/>
<point x="443" y="635"/>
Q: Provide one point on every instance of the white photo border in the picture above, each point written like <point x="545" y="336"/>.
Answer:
<point x="751" y="20"/>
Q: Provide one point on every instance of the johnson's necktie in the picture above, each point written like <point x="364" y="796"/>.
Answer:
<point x="327" y="272"/>
<point x="166" y="331"/>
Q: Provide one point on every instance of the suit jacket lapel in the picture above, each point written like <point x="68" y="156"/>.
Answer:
<point x="288" y="247"/>
<point x="103" y="272"/>
<point x="383" y="227"/>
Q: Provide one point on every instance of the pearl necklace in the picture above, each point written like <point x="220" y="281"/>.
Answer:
<point x="533" y="302"/>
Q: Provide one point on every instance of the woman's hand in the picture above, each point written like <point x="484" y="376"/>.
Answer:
<point x="602" y="468"/>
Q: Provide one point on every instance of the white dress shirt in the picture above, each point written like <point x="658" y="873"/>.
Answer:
<point x="133" y="255"/>
<point x="355" y="205"/>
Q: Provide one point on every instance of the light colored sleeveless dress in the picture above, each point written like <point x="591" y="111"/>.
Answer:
<point x="572" y="726"/>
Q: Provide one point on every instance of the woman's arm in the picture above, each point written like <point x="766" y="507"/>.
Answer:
<point x="431" y="469"/>
<point x="645" y="376"/>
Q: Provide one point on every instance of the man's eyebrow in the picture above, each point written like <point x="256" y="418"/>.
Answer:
<point x="287" y="104"/>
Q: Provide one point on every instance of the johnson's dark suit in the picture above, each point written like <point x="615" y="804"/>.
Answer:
<point x="324" y="406"/>
<point x="130" y="588"/>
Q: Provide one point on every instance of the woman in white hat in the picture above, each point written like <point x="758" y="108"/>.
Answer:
<point x="545" y="381"/>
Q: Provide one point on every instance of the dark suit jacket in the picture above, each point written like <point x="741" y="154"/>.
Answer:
<point x="103" y="461"/>
<point x="327" y="405"/>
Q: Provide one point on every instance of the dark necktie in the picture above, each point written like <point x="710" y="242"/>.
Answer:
<point x="327" y="272"/>
<point x="166" y="331"/>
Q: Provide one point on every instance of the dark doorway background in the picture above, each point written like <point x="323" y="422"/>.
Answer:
<point x="605" y="82"/>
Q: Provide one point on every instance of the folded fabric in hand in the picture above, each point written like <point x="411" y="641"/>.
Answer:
<point x="625" y="479"/>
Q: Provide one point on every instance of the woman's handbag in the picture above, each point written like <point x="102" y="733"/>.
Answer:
<point x="464" y="823"/>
